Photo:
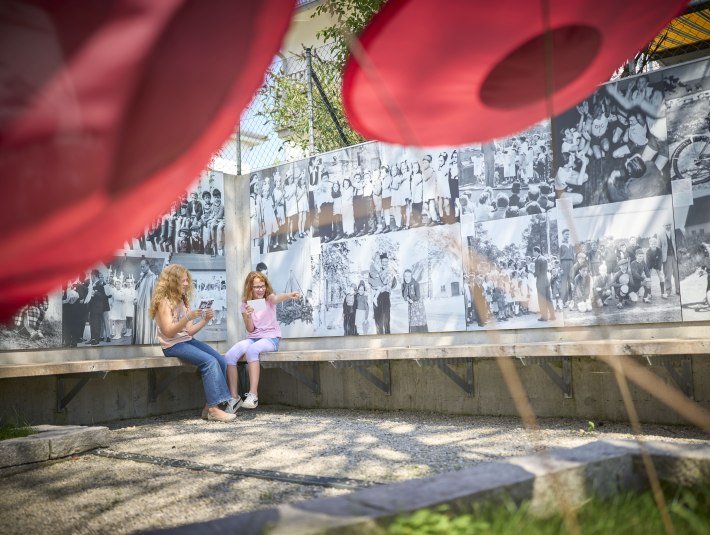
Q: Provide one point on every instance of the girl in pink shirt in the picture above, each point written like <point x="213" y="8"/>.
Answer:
<point x="264" y="333"/>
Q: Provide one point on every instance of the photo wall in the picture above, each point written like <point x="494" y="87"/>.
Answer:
<point x="108" y="304"/>
<point x="606" y="222"/>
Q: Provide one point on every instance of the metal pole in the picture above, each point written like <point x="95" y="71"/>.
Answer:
<point x="239" y="148"/>
<point x="309" y="69"/>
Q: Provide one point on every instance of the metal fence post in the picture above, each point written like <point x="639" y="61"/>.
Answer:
<point x="309" y="70"/>
<point x="239" y="148"/>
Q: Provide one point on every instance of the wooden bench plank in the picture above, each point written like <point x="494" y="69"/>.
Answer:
<point x="86" y="366"/>
<point x="592" y="348"/>
<point x="534" y="349"/>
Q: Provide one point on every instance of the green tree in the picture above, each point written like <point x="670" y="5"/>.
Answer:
<point x="285" y="95"/>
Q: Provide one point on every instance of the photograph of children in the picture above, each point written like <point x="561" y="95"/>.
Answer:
<point x="419" y="187"/>
<point x="619" y="264"/>
<point x="687" y="92"/>
<point x="518" y="182"/>
<point x="268" y="204"/>
<point x="393" y="284"/>
<point x="37" y="325"/>
<point x="194" y="224"/>
<point x="473" y="174"/>
<point x="345" y="188"/>
<point x="613" y="145"/>
<point x="211" y="287"/>
<point x="512" y="273"/>
<point x="690" y="242"/>
<point x="109" y="304"/>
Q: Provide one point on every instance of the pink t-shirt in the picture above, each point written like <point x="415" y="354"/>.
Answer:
<point x="265" y="324"/>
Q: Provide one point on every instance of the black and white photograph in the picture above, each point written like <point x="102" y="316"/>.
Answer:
<point x="37" y="325"/>
<point x="346" y="193"/>
<point x="210" y="287"/>
<point x="393" y="284"/>
<point x="692" y="248"/>
<point x="194" y="225"/>
<point x="519" y="182"/>
<point x="619" y="263"/>
<point x="420" y="187"/>
<point x="109" y="304"/>
<point x="687" y="91"/>
<point x="512" y="273"/>
<point x="613" y="145"/>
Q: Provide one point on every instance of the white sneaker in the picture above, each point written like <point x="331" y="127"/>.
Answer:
<point x="251" y="401"/>
<point x="233" y="405"/>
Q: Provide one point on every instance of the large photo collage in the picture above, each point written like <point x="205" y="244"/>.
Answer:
<point x="605" y="222"/>
<point x="108" y="304"/>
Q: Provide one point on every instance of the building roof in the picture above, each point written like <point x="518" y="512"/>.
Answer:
<point x="686" y="37"/>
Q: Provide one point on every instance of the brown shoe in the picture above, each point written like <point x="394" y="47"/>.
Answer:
<point x="218" y="415"/>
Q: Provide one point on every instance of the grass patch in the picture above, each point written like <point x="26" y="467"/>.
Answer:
<point x="8" y="431"/>
<point x="623" y="513"/>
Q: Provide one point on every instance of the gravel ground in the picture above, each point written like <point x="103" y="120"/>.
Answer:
<point x="91" y="494"/>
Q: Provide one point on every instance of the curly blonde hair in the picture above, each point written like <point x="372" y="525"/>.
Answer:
<point x="249" y="284"/>
<point x="169" y="287"/>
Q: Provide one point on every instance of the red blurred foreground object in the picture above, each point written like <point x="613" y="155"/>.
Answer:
<point x="108" y="110"/>
<point x="462" y="71"/>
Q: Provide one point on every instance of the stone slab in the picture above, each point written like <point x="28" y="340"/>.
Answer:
<point x="52" y="442"/>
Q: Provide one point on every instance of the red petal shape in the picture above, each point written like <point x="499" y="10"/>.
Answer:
<point x="108" y="110"/>
<point x="464" y="71"/>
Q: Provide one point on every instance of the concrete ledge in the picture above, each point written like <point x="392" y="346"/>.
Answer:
<point x="600" y="468"/>
<point x="669" y="346"/>
<point x="51" y="442"/>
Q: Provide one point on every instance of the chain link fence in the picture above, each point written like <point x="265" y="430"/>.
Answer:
<point x="296" y="113"/>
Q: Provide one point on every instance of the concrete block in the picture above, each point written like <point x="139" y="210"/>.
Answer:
<point x="52" y="442"/>
<point x="25" y="450"/>
<point x="65" y="442"/>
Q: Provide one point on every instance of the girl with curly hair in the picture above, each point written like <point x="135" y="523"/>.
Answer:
<point x="264" y="333"/>
<point x="177" y="324"/>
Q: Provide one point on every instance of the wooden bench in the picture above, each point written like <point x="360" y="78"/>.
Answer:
<point x="544" y="354"/>
<point x="553" y="357"/>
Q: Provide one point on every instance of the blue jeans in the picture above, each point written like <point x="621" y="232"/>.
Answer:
<point x="212" y="366"/>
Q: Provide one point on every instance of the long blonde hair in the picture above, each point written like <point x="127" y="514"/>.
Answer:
<point x="169" y="288"/>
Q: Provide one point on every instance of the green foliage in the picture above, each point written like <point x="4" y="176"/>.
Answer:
<point x="8" y="431"/>
<point x="350" y="16"/>
<point x="624" y="513"/>
<point x="285" y="95"/>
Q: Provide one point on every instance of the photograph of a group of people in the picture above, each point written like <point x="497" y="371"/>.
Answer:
<point x="511" y="272"/>
<point x="397" y="283"/>
<point x="619" y="263"/>
<point x="193" y="225"/>
<point x="366" y="190"/>
<point x="509" y="177"/>
<point x="613" y="146"/>
<point x="109" y="303"/>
